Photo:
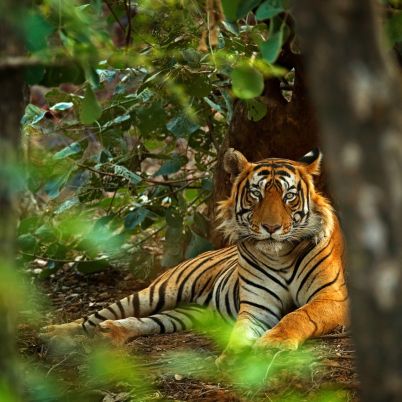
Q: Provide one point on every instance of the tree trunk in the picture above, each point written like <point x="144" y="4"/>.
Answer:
<point x="288" y="130"/>
<point x="357" y="92"/>
<point x="11" y="108"/>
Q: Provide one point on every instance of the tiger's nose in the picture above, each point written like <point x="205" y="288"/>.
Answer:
<point x="271" y="228"/>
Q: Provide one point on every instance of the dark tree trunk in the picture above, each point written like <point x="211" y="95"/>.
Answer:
<point x="288" y="130"/>
<point x="357" y="91"/>
<point x="11" y="108"/>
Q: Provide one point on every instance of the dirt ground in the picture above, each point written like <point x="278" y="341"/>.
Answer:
<point x="328" y="376"/>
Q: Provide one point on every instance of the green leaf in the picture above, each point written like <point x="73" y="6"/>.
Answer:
<point x="256" y="110"/>
<point x="135" y="218"/>
<point x="69" y="150"/>
<point x="28" y="224"/>
<point x="236" y="9"/>
<point x="134" y="178"/>
<point x="271" y="48"/>
<point x="151" y="118"/>
<point x="27" y="243"/>
<point x="90" y="110"/>
<point x="46" y="233"/>
<point x="117" y="120"/>
<point x="269" y="9"/>
<point x="71" y="202"/>
<point x="52" y="187"/>
<point x="197" y="246"/>
<point x="36" y="30"/>
<point x="171" y="166"/>
<point x="191" y="194"/>
<point x="182" y="126"/>
<point x="247" y="82"/>
<point x="33" y="114"/>
<point x="62" y="106"/>
<point x="245" y="7"/>
<point x="230" y="8"/>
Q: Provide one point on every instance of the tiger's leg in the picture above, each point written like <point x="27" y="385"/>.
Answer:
<point x="180" y="319"/>
<point x="323" y="301"/>
<point x="188" y="282"/>
<point x="316" y="318"/>
<point x="254" y="317"/>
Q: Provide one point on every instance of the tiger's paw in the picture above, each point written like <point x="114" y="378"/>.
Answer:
<point x="114" y="332"/>
<point x="272" y="340"/>
<point x="62" y="330"/>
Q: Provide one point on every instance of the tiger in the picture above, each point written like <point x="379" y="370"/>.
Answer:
<point x="280" y="281"/>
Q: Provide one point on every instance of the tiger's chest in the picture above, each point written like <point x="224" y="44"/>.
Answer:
<point x="281" y="278"/>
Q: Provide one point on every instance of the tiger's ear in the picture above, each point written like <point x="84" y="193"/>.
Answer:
<point x="234" y="162"/>
<point x="312" y="161"/>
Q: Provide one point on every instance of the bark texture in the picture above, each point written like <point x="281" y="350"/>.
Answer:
<point x="289" y="130"/>
<point x="11" y="108"/>
<point x="357" y="91"/>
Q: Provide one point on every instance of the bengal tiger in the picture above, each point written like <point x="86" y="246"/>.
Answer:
<point x="281" y="282"/>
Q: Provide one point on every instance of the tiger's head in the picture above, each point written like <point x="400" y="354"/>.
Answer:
<point x="274" y="200"/>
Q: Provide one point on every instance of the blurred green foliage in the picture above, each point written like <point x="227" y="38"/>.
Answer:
<point x="126" y="120"/>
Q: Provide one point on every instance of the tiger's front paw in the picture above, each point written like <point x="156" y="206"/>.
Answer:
<point x="272" y="340"/>
<point x="114" y="332"/>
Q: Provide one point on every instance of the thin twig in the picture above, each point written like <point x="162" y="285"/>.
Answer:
<point x="128" y="34"/>
<point x="114" y="15"/>
<point x="146" y="179"/>
<point x="59" y="363"/>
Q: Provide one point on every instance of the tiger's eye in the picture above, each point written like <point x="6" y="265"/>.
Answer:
<point x="290" y="196"/>
<point x="255" y="193"/>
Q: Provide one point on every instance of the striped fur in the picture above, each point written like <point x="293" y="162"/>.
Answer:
<point x="280" y="283"/>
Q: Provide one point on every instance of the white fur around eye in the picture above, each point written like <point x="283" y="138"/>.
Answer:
<point x="290" y="197"/>
<point x="255" y="193"/>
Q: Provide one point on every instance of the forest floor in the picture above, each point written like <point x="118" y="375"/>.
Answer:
<point x="328" y="376"/>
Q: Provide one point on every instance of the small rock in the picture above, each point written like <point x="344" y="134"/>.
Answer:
<point x="178" y="377"/>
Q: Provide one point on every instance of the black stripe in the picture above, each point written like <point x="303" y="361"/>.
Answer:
<point x="254" y="265"/>
<point x="282" y="173"/>
<point x="310" y="271"/>
<point x="228" y="306"/>
<point x="136" y="305"/>
<point x="299" y="260"/>
<point x="162" y="328"/>
<point x="257" y="321"/>
<point x="120" y="306"/>
<point x="110" y="308"/>
<point x="202" y="290"/>
<point x="202" y="273"/>
<point x="161" y="297"/>
<point x="323" y="286"/>
<point x="100" y="317"/>
<point x="261" y="307"/>
<point x="172" y="317"/>
<point x="90" y="323"/>
<point x="236" y="296"/>
<point x="256" y="285"/>
<point x="195" y="268"/>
